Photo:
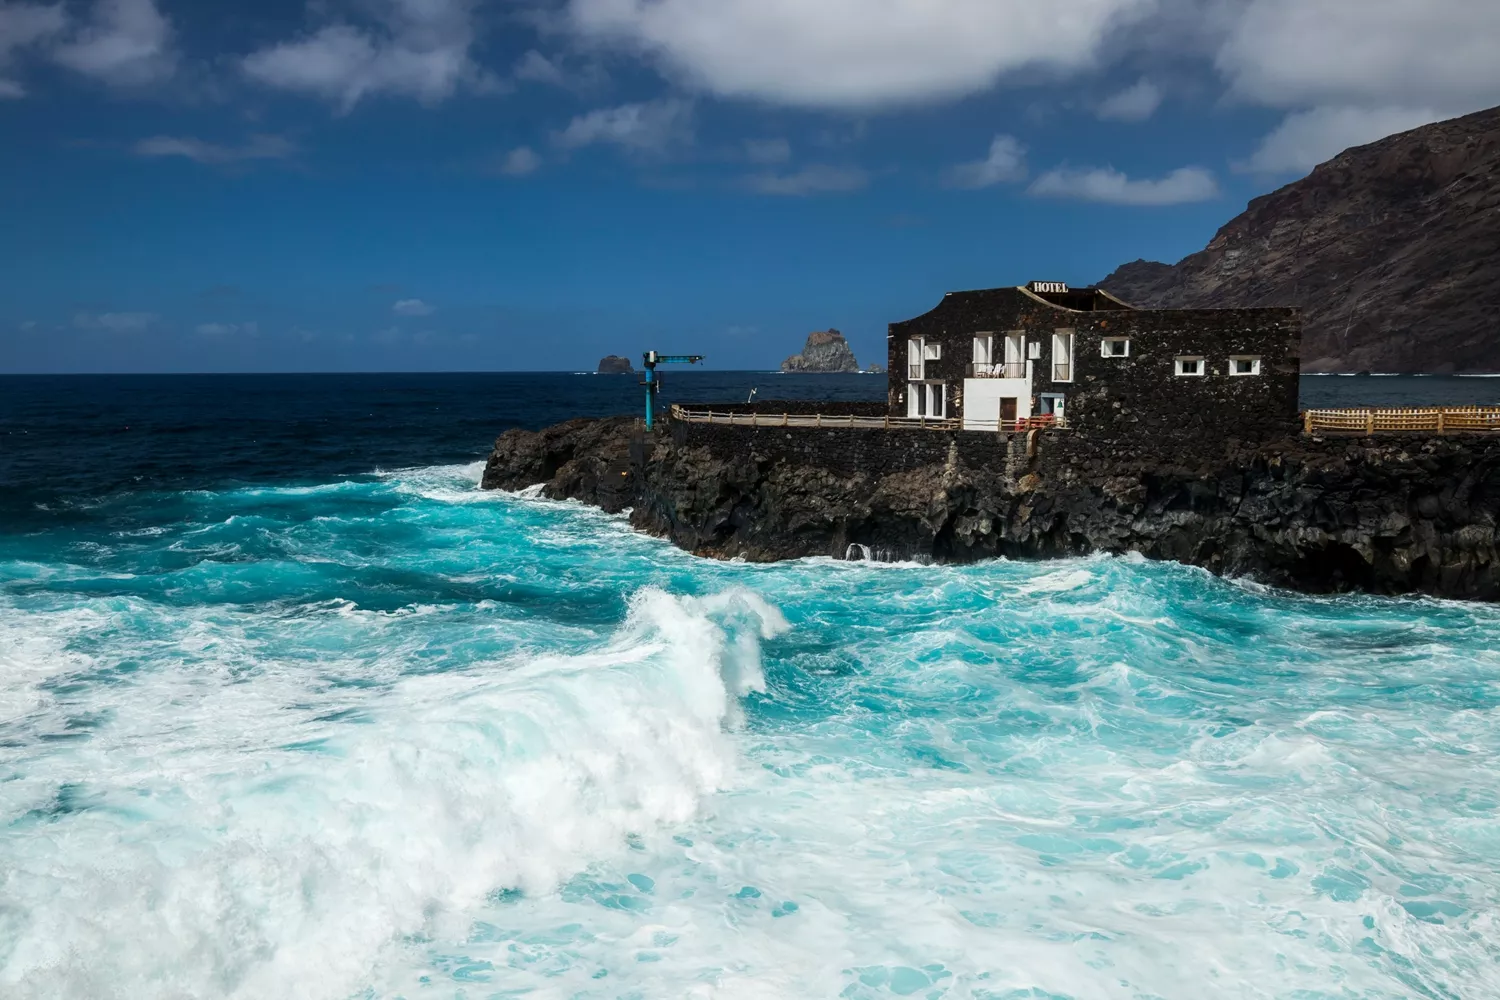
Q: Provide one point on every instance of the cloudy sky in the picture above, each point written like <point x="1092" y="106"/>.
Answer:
<point x="194" y="185"/>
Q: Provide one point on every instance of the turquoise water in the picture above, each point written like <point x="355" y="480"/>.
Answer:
<point x="392" y="736"/>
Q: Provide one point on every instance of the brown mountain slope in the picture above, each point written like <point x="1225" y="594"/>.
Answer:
<point x="1392" y="250"/>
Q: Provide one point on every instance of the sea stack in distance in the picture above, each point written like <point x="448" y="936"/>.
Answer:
<point x="615" y="365"/>
<point x="825" y="351"/>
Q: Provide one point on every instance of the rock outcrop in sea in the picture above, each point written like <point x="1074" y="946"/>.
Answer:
<point x="825" y="351"/>
<point x="1391" y="250"/>
<point x="1388" y="514"/>
<point x="615" y="365"/>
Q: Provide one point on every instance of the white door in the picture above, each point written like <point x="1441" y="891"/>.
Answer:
<point x="1015" y="355"/>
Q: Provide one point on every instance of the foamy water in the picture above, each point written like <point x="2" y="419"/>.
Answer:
<point x="395" y="737"/>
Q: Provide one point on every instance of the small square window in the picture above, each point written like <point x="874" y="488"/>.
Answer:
<point x="934" y="352"/>
<point x="1190" y="366"/>
<point x="1115" y="347"/>
<point x="1244" y="365"/>
<point x="1034" y="350"/>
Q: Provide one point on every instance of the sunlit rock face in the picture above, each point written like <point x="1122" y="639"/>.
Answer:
<point x="825" y="351"/>
<point x="1390" y="250"/>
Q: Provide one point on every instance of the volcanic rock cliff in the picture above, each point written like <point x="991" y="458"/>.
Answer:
<point x="1392" y="250"/>
<point x="825" y="351"/>
<point x="1394" y="514"/>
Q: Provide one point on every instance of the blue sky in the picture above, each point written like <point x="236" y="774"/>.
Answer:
<point x="529" y="184"/>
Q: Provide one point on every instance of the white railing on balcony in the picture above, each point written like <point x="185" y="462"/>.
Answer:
<point x="1062" y="373"/>
<point x="915" y="372"/>
<point x="1012" y="369"/>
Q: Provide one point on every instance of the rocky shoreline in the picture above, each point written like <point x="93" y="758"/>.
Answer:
<point x="1392" y="514"/>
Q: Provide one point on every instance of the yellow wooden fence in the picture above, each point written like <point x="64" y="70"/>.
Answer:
<point x="1434" y="420"/>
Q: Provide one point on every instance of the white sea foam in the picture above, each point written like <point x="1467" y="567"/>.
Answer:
<point x="1058" y="582"/>
<point x="207" y="855"/>
<point x="308" y="772"/>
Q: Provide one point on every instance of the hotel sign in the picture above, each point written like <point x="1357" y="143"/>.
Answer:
<point x="1048" y="286"/>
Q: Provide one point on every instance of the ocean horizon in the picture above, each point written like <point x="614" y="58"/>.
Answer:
<point x="290" y="707"/>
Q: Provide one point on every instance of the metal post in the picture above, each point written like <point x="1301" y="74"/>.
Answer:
<point x="650" y="385"/>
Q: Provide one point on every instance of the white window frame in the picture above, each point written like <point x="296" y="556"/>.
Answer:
<point x="1060" y="337"/>
<point x="1235" y="359"/>
<point x="914" y="354"/>
<point x="932" y="352"/>
<point x="1196" y="359"/>
<point x="1104" y="351"/>
<point x="984" y="349"/>
<point x="1034" y="350"/>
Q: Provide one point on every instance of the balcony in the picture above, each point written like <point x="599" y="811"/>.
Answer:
<point x="1062" y="373"/>
<point x="1010" y="369"/>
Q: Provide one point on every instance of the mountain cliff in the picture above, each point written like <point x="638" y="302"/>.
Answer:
<point x="1392" y="250"/>
<point x="825" y="351"/>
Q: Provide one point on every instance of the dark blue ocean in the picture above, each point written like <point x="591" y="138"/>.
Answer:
<point x="290" y="708"/>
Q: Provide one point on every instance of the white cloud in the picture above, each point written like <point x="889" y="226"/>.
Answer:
<point x="130" y="322"/>
<point x="519" y="162"/>
<point x="125" y="43"/>
<point x="1105" y="184"/>
<point x="844" y="54"/>
<point x="538" y="68"/>
<point x="1365" y="53"/>
<point x="260" y="147"/>
<point x="1133" y="104"/>
<point x="23" y="26"/>
<point x="814" y="179"/>
<point x="228" y="329"/>
<point x="643" y="128"/>
<point x="1354" y="72"/>
<point x="417" y="48"/>
<point x="768" y="150"/>
<point x="413" y="307"/>
<point x="1006" y="162"/>
<point x="1307" y="138"/>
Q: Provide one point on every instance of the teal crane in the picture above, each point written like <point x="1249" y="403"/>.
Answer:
<point x="653" y="383"/>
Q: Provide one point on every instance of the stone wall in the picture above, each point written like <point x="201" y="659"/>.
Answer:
<point x="871" y="451"/>
<point x="1124" y="400"/>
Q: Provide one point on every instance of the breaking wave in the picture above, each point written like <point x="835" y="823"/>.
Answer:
<point x="392" y="735"/>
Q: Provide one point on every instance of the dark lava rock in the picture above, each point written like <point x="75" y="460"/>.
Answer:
<point x="615" y="365"/>
<point x="1392" y="251"/>
<point x="584" y="459"/>
<point x="825" y="351"/>
<point x="1388" y="514"/>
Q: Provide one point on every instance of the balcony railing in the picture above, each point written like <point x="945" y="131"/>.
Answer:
<point x="1062" y="373"/>
<point x="1009" y="369"/>
<point x="914" y="372"/>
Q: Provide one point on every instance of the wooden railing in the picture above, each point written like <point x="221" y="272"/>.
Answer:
<point x="1434" y="420"/>
<point x="847" y="420"/>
